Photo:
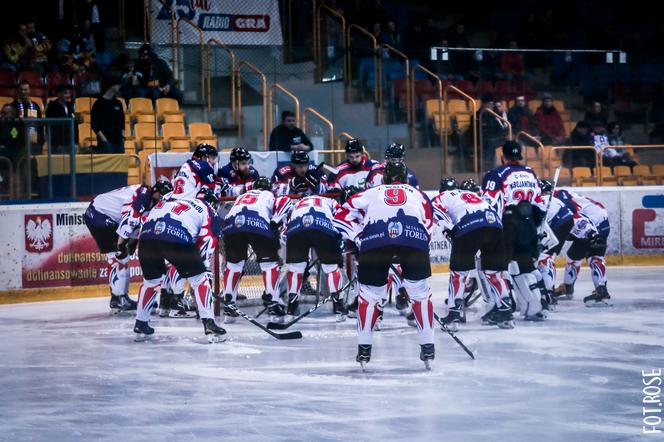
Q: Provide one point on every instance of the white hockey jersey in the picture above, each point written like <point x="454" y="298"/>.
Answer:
<point x="375" y="177"/>
<point x="510" y="184"/>
<point x="255" y="210"/>
<point x="461" y="212"/>
<point x="393" y="214"/>
<point x="183" y="221"/>
<point x="193" y="175"/>
<point x="349" y="175"/>
<point x="558" y="212"/>
<point x="590" y="215"/>
<point x="124" y="206"/>
<point x="313" y="213"/>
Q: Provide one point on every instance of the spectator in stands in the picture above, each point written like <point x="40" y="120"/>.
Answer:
<point x="286" y="137"/>
<point x="377" y="31"/>
<point x="91" y="19"/>
<point x="494" y="130"/>
<point x="521" y="117"/>
<point x="131" y="82"/>
<point x="615" y="134"/>
<point x="76" y="53"/>
<point x="550" y="123"/>
<point x="10" y="133"/>
<point x="39" y="49"/>
<point x="392" y="36"/>
<point x="16" y="49"/>
<point x="24" y="106"/>
<point x="107" y="118"/>
<point x="512" y="64"/>
<point x="616" y="156"/>
<point x="63" y="107"/>
<point x="582" y="135"/>
<point x="597" y="117"/>
<point x="91" y="86"/>
<point x="158" y="80"/>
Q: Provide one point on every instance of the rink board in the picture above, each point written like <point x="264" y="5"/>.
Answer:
<point x="46" y="246"/>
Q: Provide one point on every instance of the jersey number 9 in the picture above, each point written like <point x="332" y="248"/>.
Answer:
<point x="395" y="197"/>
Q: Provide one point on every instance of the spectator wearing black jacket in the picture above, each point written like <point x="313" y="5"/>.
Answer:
<point x="157" y="77"/>
<point x="63" y="107"/>
<point x="582" y="135"/>
<point x="521" y="117"/>
<point x="286" y="137"/>
<point x="107" y="118"/>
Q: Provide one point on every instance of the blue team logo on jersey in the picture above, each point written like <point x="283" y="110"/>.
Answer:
<point x="240" y="220"/>
<point x="307" y="220"/>
<point x="159" y="227"/>
<point x="394" y="229"/>
<point x="490" y="217"/>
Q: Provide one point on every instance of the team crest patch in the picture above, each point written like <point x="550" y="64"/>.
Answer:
<point x="394" y="229"/>
<point x="307" y="220"/>
<point x="490" y="217"/>
<point x="239" y="221"/>
<point x="159" y="227"/>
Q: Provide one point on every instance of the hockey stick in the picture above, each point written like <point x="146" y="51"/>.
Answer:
<point x="281" y="336"/>
<point x="457" y="340"/>
<point x="279" y="326"/>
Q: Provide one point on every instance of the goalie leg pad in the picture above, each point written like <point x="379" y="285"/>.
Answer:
<point x="203" y="295"/>
<point x="146" y="297"/>
<point x="528" y="293"/>
<point x="118" y="276"/>
<point x="598" y="270"/>
<point x="333" y="275"/>
<point x="270" y="278"/>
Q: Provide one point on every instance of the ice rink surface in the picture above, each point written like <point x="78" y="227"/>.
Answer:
<point x="71" y="372"/>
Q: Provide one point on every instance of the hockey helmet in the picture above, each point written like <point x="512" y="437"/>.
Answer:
<point x="300" y="157"/>
<point x="395" y="173"/>
<point x="545" y="185"/>
<point x="262" y="183"/>
<point x="470" y="185"/>
<point x="240" y="154"/>
<point x="162" y="187"/>
<point x="512" y="150"/>
<point x="448" y="183"/>
<point x="203" y="151"/>
<point x="395" y="151"/>
<point x="354" y="146"/>
<point x="207" y="194"/>
<point x="347" y="192"/>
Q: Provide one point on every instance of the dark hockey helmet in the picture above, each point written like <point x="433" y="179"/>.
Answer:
<point x="262" y="183"/>
<point x="448" y="183"/>
<point x="545" y="185"/>
<point x="354" y="146"/>
<point x="395" y="173"/>
<point x="347" y="192"/>
<point x="163" y="187"/>
<point x="470" y="185"/>
<point x="240" y="154"/>
<point x="395" y="151"/>
<point x="203" y="151"/>
<point x="512" y="150"/>
<point x="299" y="157"/>
<point x="207" y="194"/>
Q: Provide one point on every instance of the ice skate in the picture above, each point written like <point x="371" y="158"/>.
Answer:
<point x="121" y="303"/>
<point x="379" y="319"/>
<point x="339" y="308"/>
<point x="427" y="354"/>
<point x="165" y="302"/>
<point x="143" y="331"/>
<point x="230" y="314"/>
<point x="564" y="292"/>
<point x="455" y="316"/>
<point x="293" y="308"/>
<point x="599" y="298"/>
<point x="410" y="319"/>
<point x="363" y="355"/>
<point x="502" y="317"/>
<point x="181" y="307"/>
<point x="213" y="332"/>
<point x="352" y="309"/>
<point x="402" y="302"/>
<point x="537" y="317"/>
<point x="276" y="312"/>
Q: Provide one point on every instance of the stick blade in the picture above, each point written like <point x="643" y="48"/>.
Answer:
<point x="277" y="326"/>
<point x="289" y="335"/>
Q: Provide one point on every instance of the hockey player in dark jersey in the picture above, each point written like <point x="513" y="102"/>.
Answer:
<point x="195" y="173"/>
<point x="395" y="153"/>
<point x="238" y="174"/>
<point x="355" y="169"/>
<point x="514" y="193"/>
<point x="113" y="219"/>
<point x="300" y="177"/>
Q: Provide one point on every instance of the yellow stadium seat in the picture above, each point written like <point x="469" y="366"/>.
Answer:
<point x="628" y="181"/>
<point x="559" y="105"/>
<point x="583" y="175"/>
<point x="565" y="175"/>
<point x="202" y="133"/>
<point x="146" y="118"/>
<point x="40" y="103"/>
<point x="622" y="171"/>
<point x="569" y="127"/>
<point x="83" y="104"/>
<point x="179" y="145"/>
<point x="134" y="170"/>
<point x="642" y="171"/>
<point x="463" y="122"/>
<point x="5" y="100"/>
<point x="148" y="137"/>
<point x="173" y="118"/>
<point x="86" y="137"/>
<point x="174" y="134"/>
<point x="608" y="178"/>
<point x="167" y="106"/>
<point x="130" y="145"/>
<point x="140" y="105"/>
<point x="456" y="106"/>
<point x="658" y="172"/>
<point x="533" y="105"/>
<point x="441" y="122"/>
<point x="84" y="117"/>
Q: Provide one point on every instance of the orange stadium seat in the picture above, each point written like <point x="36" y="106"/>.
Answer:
<point x="147" y="136"/>
<point x="175" y="136"/>
<point x="582" y="176"/>
<point x="168" y="106"/>
<point x="140" y="105"/>
<point x="202" y="133"/>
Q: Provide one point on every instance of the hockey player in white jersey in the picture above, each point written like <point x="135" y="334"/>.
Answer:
<point x="196" y="173"/>
<point x="254" y="221"/>
<point x="395" y="153"/>
<point x="589" y="241"/>
<point x="355" y="169"/>
<point x="113" y="219"/>
<point x="560" y="219"/>
<point x="388" y="222"/>
<point x="473" y="226"/>
<point x="513" y="192"/>
<point x="310" y="227"/>
<point x="179" y="231"/>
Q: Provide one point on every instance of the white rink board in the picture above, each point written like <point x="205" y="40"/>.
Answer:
<point x="621" y="202"/>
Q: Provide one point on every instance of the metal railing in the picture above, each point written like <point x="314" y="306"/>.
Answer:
<point x="201" y="43"/>
<point x="327" y="122"/>
<point x="270" y="98"/>
<point x="406" y="65"/>
<point x="258" y="72"/>
<point x="497" y="116"/>
<point x="336" y="154"/>
<point x="538" y="143"/>
<point x="471" y="100"/>
<point x="555" y="149"/>
<point x="213" y="42"/>
<point x="328" y="12"/>
<point x="348" y="77"/>
<point x="600" y="154"/>
<point x="340" y="139"/>
<point x="439" y="114"/>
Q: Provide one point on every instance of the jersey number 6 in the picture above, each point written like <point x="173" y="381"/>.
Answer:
<point x="395" y="197"/>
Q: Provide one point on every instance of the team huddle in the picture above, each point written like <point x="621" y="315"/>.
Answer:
<point x="369" y="227"/>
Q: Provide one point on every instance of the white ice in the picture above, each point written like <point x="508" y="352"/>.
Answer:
<point x="70" y="372"/>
